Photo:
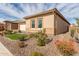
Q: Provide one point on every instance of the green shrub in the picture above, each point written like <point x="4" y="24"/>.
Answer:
<point x="72" y="32"/>
<point x="8" y="32"/>
<point x="27" y="37"/>
<point x="31" y="35"/>
<point x="40" y="36"/>
<point x="37" y="54"/>
<point x="14" y="32"/>
<point x="41" y="39"/>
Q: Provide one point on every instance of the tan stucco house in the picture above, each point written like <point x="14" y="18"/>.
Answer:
<point x="11" y="25"/>
<point x="15" y="25"/>
<point x="52" y="20"/>
<point x="22" y="25"/>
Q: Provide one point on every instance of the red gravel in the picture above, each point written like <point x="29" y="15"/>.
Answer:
<point x="11" y="46"/>
<point x="48" y="50"/>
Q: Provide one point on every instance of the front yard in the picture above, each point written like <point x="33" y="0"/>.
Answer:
<point x="40" y="45"/>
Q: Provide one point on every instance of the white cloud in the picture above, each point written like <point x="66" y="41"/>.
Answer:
<point x="68" y="10"/>
<point x="8" y="10"/>
<point x="61" y="5"/>
<point x="69" y="7"/>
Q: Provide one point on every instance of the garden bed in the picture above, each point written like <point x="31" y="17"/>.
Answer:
<point x="32" y="48"/>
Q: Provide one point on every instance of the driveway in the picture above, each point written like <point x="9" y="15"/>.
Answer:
<point x="4" y="51"/>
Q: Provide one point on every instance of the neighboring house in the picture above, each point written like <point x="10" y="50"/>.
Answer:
<point x="15" y="25"/>
<point x="52" y="20"/>
<point x="2" y="27"/>
<point x="74" y="27"/>
<point x="11" y="25"/>
<point x="21" y="25"/>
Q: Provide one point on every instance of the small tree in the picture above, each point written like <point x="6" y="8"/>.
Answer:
<point x="41" y="37"/>
<point x="77" y="21"/>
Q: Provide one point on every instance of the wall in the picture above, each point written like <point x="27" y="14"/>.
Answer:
<point x="11" y="26"/>
<point x="2" y="27"/>
<point x="22" y="26"/>
<point x="28" y="25"/>
<point x="8" y="26"/>
<point x="47" y="23"/>
<point x="61" y="26"/>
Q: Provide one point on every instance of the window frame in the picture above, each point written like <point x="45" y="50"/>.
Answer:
<point x="32" y="23"/>
<point x="39" y="23"/>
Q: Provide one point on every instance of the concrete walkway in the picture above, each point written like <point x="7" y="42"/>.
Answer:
<point x="4" y="51"/>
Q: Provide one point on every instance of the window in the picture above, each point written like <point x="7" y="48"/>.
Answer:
<point x="33" y="23"/>
<point x="40" y="23"/>
<point x="14" y="26"/>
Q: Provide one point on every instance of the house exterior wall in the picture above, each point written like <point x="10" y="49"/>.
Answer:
<point x="28" y="25"/>
<point x="47" y="23"/>
<point x="2" y="27"/>
<point x="11" y="26"/>
<point x="22" y="26"/>
<point x="61" y="26"/>
<point x="7" y="26"/>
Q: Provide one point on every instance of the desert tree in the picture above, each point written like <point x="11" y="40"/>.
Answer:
<point x="77" y="21"/>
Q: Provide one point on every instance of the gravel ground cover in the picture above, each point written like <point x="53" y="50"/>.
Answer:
<point x="48" y="50"/>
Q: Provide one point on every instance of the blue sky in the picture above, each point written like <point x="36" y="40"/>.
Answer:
<point x="16" y="11"/>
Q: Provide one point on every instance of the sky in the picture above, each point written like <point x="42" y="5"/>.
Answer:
<point x="16" y="11"/>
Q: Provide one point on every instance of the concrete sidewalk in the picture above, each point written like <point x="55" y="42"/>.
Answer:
<point x="4" y="51"/>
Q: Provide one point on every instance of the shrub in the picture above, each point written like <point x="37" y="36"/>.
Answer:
<point x="40" y="36"/>
<point x="21" y="44"/>
<point x="66" y="47"/>
<point x="5" y="32"/>
<point x="14" y="32"/>
<point x="8" y="32"/>
<point x="37" y="54"/>
<point x="31" y="35"/>
<point x="72" y="32"/>
<point x="41" y="39"/>
<point x="21" y="41"/>
<point x="44" y="30"/>
<point x="27" y="37"/>
<point x="19" y="31"/>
